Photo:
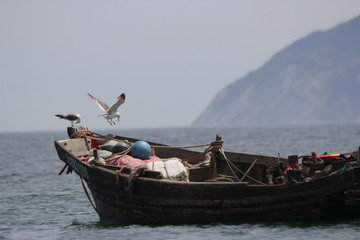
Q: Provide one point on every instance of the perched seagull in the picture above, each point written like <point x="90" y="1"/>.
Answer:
<point x="111" y="112"/>
<point x="71" y="117"/>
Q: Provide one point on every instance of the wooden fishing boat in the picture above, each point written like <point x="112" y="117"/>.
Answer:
<point x="220" y="186"/>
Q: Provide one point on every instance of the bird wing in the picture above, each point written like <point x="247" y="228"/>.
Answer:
<point x="115" y="106"/>
<point x="100" y="103"/>
<point x="70" y="116"/>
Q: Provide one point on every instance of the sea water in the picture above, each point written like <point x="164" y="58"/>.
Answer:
<point x="37" y="203"/>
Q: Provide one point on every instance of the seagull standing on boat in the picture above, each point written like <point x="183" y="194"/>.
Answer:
<point x="111" y="112"/>
<point x="71" y="117"/>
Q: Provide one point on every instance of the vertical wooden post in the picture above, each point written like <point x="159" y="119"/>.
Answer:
<point x="214" y="172"/>
<point x="214" y="165"/>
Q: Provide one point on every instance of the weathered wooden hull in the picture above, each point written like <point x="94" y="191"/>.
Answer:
<point x="157" y="201"/>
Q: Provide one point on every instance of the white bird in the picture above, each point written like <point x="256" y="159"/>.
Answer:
<point x="111" y="112"/>
<point x="71" y="117"/>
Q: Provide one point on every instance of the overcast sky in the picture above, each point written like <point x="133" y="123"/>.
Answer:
<point x="169" y="57"/>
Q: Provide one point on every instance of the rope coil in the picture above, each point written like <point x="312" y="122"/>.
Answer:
<point x="85" y="133"/>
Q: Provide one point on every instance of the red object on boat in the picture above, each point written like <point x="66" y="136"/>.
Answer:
<point x="329" y="157"/>
<point x="94" y="144"/>
<point x="63" y="169"/>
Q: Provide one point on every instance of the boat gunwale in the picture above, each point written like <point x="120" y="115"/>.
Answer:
<point x="103" y="168"/>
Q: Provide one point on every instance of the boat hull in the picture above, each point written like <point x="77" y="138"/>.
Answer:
<point x="122" y="198"/>
<point x="154" y="202"/>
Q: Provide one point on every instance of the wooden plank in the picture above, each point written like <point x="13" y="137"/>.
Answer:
<point x="77" y="146"/>
<point x="250" y="158"/>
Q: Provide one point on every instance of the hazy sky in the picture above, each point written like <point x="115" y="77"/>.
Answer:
<point x="169" y="57"/>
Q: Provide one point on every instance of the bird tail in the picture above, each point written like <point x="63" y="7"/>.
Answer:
<point x="59" y="116"/>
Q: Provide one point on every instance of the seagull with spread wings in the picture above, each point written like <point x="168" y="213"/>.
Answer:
<point x="111" y="112"/>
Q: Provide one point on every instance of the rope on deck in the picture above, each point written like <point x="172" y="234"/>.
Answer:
<point x="190" y="146"/>
<point x="85" y="133"/>
<point x="232" y="165"/>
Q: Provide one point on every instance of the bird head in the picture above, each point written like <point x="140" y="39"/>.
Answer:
<point x="78" y="119"/>
<point x="118" y="116"/>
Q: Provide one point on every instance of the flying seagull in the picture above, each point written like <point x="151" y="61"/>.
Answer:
<point x="111" y="112"/>
<point x="71" y="117"/>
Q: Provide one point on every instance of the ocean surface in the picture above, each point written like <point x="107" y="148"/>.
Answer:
<point x="37" y="203"/>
